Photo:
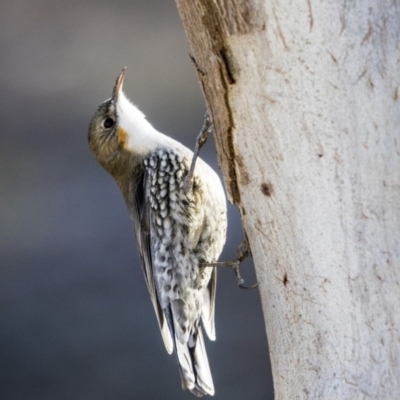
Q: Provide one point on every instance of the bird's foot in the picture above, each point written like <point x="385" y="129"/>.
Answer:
<point x="243" y="252"/>
<point x="200" y="141"/>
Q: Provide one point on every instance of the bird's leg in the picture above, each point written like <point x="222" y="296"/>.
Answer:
<point x="200" y="140"/>
<point x="243" y="252"/>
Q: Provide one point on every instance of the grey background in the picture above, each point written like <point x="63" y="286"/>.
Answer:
<point x="76" y="320"/>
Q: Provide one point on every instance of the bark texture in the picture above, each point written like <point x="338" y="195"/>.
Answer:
<point x="305" y="101"/>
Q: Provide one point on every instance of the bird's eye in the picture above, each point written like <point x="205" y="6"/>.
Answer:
<point x="108" y="123"/>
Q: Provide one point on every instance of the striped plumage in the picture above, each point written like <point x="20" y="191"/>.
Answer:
<point x="176" y="230"/>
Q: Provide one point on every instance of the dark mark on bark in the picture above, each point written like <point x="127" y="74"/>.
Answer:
<point x="367" y="35"/>
<point x="285" y="279"/>
<point x="234" y="189"/>
<point x="198" y="69"/>
<point x="267" y="189"/>
<point x="371" y="83"/>
<point x="310" y="14"/>
<point x="226" y="58"/>
<point x="334" y="59"/>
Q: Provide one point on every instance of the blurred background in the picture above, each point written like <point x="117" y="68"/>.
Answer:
<point x="76" y="319"/>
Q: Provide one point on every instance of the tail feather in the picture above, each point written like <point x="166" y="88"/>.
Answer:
<point x="194" y="367"/>
<point x="208" y="308"/>
<point x="192" y="360"/>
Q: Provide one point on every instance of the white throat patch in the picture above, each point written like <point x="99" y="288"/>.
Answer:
<point x="135" y="133"/>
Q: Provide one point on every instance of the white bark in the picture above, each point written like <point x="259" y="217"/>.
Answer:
<point x="305" y="100"/>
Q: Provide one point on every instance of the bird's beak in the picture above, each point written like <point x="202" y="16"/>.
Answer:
<point x="118" y="86"/>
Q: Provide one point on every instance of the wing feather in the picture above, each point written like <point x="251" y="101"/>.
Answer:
<point x="141" y="224"/>
<point x="208" y="310"/>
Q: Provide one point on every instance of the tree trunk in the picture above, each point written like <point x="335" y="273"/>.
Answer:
<point x="305" y="101"/>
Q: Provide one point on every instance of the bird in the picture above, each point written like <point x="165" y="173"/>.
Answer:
<point x="179" y="217"/>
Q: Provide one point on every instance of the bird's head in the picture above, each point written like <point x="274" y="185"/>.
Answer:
<point x="118" y="131"/>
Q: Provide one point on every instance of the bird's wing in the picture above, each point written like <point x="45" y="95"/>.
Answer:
<point x="141" y="223"/>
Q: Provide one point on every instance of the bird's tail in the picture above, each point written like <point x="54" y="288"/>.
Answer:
<point x="194" y="367"/>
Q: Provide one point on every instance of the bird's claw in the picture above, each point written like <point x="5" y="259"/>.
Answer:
<point x="240" y="280"/>
<point x="244" y="252"/>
